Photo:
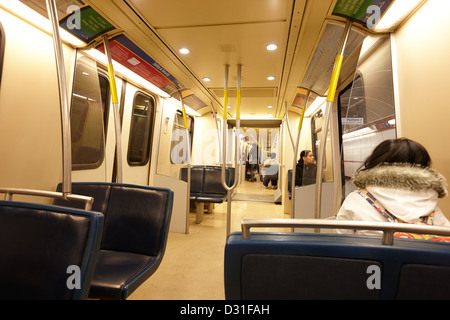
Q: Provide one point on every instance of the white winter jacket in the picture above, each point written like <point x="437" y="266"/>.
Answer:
<point x="408" y="192"/>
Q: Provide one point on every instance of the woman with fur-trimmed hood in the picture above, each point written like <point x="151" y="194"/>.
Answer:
<point x="396" y="184"/>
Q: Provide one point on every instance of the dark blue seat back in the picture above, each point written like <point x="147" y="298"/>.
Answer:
<point x="39" y="242"/>
<point x="212" y="181"/>
<point x="137" y="220"/>
<point x="330" y="266"/>
<point x="196" y="179"/>
<point x="206" y="184"/>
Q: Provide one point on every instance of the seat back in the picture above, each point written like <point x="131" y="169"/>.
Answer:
<point x="206" y="179"/>
<point x="334" y="266"/>
<point x="47" y="251"/>
<point x="212" y="181"/>
<point x="137" y="218"/>
<point x="196" y="178"/>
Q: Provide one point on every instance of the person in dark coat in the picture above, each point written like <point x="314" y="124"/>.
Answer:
<point x="305" y="170"/>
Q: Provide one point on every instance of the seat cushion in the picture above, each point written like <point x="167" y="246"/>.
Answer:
<point x="116" y="272"/>
<point x="211" y="198"/>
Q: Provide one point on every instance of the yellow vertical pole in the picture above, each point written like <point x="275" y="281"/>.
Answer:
<point x="326" y="119"/>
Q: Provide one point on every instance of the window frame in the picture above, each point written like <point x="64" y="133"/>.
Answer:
<point x="99" y="73"/>
<point x="151" y="126"/>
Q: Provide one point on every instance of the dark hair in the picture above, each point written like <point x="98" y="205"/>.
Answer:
<point x="304" y="153"/>
<point x="401" y="150"/>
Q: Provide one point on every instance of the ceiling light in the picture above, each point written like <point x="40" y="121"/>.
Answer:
<point x="184" y="51"/>
<point x="206" y="79"/>
<point x="399" y="10"/>
<point x="229" y="107"/>
<point x="270" y="78"/>
<point x="272" y="47"/>
<point x="270" y="107"/>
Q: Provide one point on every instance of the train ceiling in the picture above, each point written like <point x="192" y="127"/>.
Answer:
<point x="233" y="32"/>
<point x="217" y="33"/>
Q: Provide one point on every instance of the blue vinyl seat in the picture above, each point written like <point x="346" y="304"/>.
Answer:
<point x="137" y="220"/>
<point x="45" y="248"/>
<point x="292" y="266"/>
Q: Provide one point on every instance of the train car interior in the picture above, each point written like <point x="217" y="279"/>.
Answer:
<point x="165" y="130"/>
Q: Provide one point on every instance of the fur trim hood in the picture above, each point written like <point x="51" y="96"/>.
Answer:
<point x="402" y="176"/>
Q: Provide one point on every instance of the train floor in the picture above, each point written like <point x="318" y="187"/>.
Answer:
<point x="192" y="267"/>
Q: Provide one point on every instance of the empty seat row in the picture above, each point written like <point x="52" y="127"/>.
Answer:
<point x="206" y="185"/>
<point x="334" y="266"/>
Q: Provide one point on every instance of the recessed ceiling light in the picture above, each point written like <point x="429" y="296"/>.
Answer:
<point x="206" y="79"/>
<point x="272" y="47"/>
<point x="184" y="51"/>
<point x="270" y="78"/>
<point x="270" y="107"/>
<point x="229" y="107"/>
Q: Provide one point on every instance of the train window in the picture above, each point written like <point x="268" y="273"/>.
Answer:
<point x="87" y="116"/>
<point x="141" y="130"/>
<point x="105" y="94"/>
<point x="178" y="154"/>
<point x="316" y="131"/>
<point x="366" y="107"/>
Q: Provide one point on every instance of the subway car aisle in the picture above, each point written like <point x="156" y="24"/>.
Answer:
<point x="192" y="268"/>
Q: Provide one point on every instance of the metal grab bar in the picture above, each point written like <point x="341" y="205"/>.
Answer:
<point x="294" y="165"/>
<point x="51" y="194"/>
<point x="115" y="101"/>
<point x="224" y="142"/>
<point x="326" y="119"/>
<point x="63" y="98"/>
<point x="224" y="133"/>
<point x="388" y="228"/>
<point x="188" y="158"/>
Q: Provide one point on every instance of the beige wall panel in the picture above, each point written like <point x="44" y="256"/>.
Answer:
<point x="30" y="130"/>
<point x="423" y="49"/>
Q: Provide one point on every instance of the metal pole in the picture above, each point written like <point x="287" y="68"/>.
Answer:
<point x="188" y="160"/>
<point x="326" y="120"/>
<point x="294" y="166"/>
<point x="224" y="144"/>
<point x="216" y="120"/>
<point x="115" y="101"/>
<point x="64" y="100"/>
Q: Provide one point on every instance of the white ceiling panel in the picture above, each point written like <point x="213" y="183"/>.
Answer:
<point x="232" y="32"/>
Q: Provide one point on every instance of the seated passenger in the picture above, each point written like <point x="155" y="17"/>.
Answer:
<point x="305" y="170"/>
<point x="396" y="184"/>
<point x="270" y="171"/>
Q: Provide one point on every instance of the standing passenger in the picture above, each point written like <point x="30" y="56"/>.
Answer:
<point x="396" y="184"/>
<point x="253" y="161"/>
